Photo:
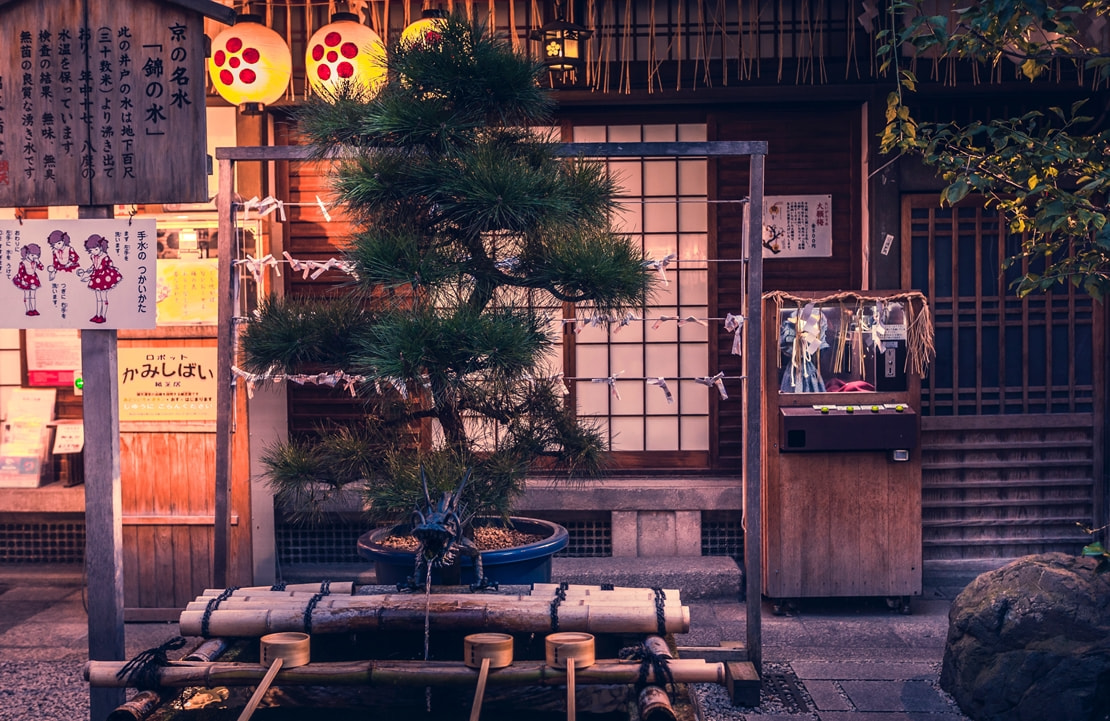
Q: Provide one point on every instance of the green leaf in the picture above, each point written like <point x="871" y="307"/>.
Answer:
<point x="956" y="192"/>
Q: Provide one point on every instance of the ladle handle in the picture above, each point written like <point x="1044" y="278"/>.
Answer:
<point x="261" y="690"/>
<point x="570" y="689"/>
<point x="483" y="674"/>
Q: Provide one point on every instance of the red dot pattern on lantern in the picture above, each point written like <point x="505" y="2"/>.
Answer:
<point x="342" y="51"/>
<point x="234" y="59"/>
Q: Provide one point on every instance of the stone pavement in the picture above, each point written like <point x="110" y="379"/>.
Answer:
<point x="826" y="660"/>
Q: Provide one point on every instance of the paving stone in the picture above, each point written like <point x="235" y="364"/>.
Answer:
<point x="912" y="696"/>
<point x="864" y="670"/>
<point x="826" y="696"/>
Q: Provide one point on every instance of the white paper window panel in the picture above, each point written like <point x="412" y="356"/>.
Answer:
<point x="627" y="434"/>
<point x="9" y="338"/>
<point x="627" y="218"/>
<point x="10" y="369"/>
<point x="693" y="286"/>
<point x="631" y="401"/>
<point x="633" y="333"/>
<point x="660" y="133"/>
<point x="692" y="132"/>
<point x="662" y="433"/>
<point x="693" y="246"/>
<point x="658" y="246"/>
<point x="661" y="178"/>
<point x="593" y="357"/>
<point x="657" y="404"/>
<point x="693" y="360"/>
<point x="662" y="360"/>
<point x="628" y="360"/>
<point x="667" y="331"/>
<point x="666" y="294"/>
<point x="692" y="217"/>
<point x="660" y="217"/>
<point x="694" y="332"/>
<point x="694" y="433"/>
<point x="625" y="133"/>
<point x="694" y="397"/>
<point x="692" y="177"/>
<point x="627" y="176"/>
<point x="588" y="134"/>
<point x="593" y="398"/>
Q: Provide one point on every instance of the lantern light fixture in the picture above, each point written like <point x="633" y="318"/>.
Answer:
<point x="344" y="51"/>
<point x="562" y="43"/>
<point x="426" y="30"/>
<point x="250" y="65"/>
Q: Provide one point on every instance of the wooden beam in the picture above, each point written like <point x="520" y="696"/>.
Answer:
<point x="753" y="413"/>
<point x="225" y="391"/>
<point x="103" y="500"/>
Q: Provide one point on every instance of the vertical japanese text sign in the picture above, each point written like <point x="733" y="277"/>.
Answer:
<point x="101" y="102"/>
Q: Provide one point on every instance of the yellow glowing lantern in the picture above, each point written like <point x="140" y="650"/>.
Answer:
<point x="426" y="30"/>
<point x="562" y="43"/>
<point x="250" y="64"/>
<point x="344" y="51"/>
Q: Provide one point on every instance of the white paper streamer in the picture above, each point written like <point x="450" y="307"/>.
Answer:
<point x="734" y="324"/>
<point x="717" y="380"/>
<point x="662" y="383"/>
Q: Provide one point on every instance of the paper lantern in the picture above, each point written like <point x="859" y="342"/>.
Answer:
<point x="426" y="30"/>
<point x="344" y="51"/>
<point x="250" y="65"/>
<point x="562" y="43"/>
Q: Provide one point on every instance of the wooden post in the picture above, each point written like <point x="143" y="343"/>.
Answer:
<point x="103" y="500"/>
<point x="753" y="413"/>
<point x="225" y="391"/>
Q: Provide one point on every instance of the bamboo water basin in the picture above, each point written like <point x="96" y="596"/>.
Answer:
<point x="367" y="652"/>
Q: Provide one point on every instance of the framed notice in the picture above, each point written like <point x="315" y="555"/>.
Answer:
<point x="797" y="226"/>
<point x="53" y="356"/>
<point x="159" y="383"/>
<point x="78" y="273"/>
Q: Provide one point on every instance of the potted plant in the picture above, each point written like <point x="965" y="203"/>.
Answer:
<point x="473" y="234"/>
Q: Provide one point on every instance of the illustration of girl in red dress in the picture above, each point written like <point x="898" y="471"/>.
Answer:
<point x="27" y="276"/>
<point x="63" y="256"/>
<point x="101" y="276"/>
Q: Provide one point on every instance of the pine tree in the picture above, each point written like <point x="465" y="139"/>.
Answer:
<point x="472" y="234"/>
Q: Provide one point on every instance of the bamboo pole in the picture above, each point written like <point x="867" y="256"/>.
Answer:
<point x="457" y="615"/>
<point x="102" y="674"/>
<point x="371" y="602"/>
<point x="336" y="588"/>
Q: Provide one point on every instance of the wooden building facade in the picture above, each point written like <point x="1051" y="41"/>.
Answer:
<point x="1013" y="438"/>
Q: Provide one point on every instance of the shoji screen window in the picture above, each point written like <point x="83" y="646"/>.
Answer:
<point x="662" y="207"/>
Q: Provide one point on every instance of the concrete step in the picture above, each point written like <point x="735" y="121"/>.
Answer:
<point x="693" y="576"/>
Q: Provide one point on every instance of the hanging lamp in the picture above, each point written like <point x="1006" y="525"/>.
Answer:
<point x="344" y="52"/>
<point x="426" y="30"/>
<point x="250" y="65"/>
<point x="562" y="43"/>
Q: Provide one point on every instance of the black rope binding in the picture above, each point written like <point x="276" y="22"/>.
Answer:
<point x="606" y="587"/>
<point x="653" y="663"/>
<point x="560" y="596"/>
<point x="325" y="590"/>
<point x="660" y="615"/>
<point x="212" y="606"/>
<point x="279" y="586"/>
<point x="144" y="671"/>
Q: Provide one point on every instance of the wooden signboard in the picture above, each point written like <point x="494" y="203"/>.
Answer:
<point x="101" y="103"/>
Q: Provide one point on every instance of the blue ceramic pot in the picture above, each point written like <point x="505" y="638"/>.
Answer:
<point x="523" y="565"/>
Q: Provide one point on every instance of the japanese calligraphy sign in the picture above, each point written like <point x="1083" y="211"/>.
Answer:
<point x="101" y="103"/>
<point x="160" y="383"/>
<point x="78" y="273"/>
<point x="797" y="226"/>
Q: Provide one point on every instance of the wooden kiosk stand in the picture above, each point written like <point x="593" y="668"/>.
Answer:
<point x="841" y="496"/>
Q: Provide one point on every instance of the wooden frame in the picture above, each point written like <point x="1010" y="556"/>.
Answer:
<point x="756" y="152"/>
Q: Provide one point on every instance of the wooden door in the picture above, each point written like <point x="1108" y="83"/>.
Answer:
<point x="1012" y="406"/>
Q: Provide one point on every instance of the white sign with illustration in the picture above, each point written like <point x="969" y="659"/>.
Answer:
<point x="78" y="273"/>
<point x="797" y="226"/>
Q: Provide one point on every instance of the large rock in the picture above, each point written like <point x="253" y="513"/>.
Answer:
<point x="1031" y="641"/>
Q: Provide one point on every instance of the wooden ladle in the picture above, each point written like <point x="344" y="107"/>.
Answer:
<point x="484" y="651"/>
<point x="289" y="649"/>
<point x="570" y="649"/>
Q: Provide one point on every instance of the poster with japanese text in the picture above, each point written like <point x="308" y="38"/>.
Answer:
<point x="797" y="226"/>
<point x="159" y="383"/>
<point x="78" y="273"/>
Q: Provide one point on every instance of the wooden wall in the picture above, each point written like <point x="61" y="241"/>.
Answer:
<point x="167" y="475"/>
<point x="808" y="153"/>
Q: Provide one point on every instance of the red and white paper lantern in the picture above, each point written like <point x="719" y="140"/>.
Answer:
<point x="344" y="51"/>
<point x="250" y="63"/>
